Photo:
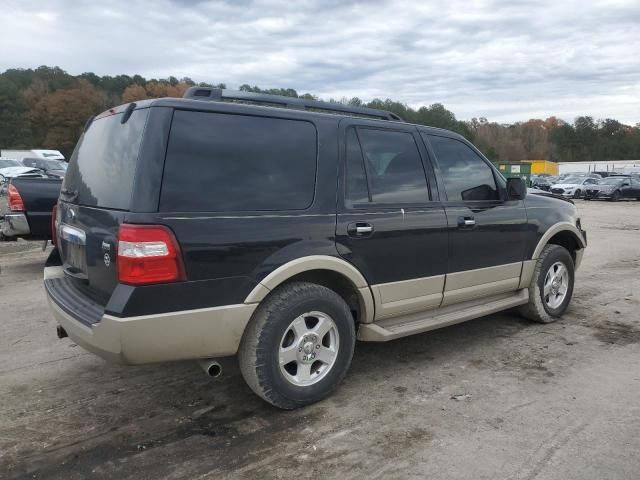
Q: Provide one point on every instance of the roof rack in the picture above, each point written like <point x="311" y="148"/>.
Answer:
<point x="219" y="95"/>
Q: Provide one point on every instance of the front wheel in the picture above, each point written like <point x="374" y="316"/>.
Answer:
<point x="577" y="194"/>
<point x="298" y="346"/>
<point x="551" y="287"/>
<point x="616" y="196"/>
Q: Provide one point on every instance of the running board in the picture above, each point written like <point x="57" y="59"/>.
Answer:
<point x="392" y="328"/>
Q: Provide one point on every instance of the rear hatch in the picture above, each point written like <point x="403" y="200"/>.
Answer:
<point x="95" y="198"/>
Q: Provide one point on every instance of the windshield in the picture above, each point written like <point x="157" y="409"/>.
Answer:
<point x="103" y="164"/>
<point x="612" y="180"/>
<point x="6" y="163"/>
<point x="54" y="165"/>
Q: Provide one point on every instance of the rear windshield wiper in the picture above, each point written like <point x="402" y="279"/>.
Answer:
<point x="71" y="194"/>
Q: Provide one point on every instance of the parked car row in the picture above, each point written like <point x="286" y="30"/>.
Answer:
<point x="589" y="186"/>
<point x="614" y="188"/>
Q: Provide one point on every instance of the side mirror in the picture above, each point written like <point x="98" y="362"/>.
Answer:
<point x="516" y="188"/>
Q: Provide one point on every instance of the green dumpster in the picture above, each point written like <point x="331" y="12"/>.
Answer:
<point x="515" y="169"/>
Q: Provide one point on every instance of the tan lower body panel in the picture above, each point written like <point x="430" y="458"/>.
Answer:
<point x="482" y="282"/>
<point x="410" y="324"/>
<point x="395" y="298"/>
<point x="191" y="334"/>
<point x="579" y="254"/>
<point x="528" y="267"/>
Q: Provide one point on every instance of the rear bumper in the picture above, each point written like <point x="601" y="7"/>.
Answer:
<point x="15" y="225"/>
<point x="190" y="334"/>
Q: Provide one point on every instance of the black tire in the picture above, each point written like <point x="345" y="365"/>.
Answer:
<point x="537" y="309"/>
<point x="577" y="193"/>
<point x="616" y="196"/>
<point x="259" y="349"/>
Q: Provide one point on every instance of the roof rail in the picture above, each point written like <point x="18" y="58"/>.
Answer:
<point x="219" y="95"/>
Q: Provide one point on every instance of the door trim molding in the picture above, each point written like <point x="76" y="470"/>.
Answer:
<point x="395" y="298"/>
<point x="480" y="282"/>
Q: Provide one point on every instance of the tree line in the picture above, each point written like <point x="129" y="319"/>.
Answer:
<point x="47" y="108"/>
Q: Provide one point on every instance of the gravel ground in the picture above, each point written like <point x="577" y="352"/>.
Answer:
<point x="494" y="398"/>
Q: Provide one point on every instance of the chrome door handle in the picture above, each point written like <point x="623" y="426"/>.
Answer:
<point x="359" y="229"/>
<point x="466" y="222"/>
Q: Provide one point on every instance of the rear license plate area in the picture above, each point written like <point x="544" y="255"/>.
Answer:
<point x="73" y="245"/>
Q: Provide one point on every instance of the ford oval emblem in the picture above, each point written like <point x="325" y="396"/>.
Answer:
<point x="107" y="260"/>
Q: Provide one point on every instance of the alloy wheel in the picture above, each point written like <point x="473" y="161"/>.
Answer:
<point x="308" y="349"/>
<point x="556" y="285"/>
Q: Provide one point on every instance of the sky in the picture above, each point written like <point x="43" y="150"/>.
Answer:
<point x="503" y="60"/>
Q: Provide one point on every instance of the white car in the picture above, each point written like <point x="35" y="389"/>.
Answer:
<point x="10" y="168"/>
<point x="573" y="187"/>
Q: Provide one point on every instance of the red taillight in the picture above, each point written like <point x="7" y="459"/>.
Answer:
<point x="148" y="254"/>
<point x="15" y="200"/>
<point x="54" y="225"/>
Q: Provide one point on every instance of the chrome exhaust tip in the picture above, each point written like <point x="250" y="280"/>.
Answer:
<point x="211" y="367"/>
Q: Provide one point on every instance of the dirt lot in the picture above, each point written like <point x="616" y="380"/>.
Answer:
<point x="495" y="398"/>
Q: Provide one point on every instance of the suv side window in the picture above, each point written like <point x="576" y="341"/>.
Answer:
<point x="466" y="176"/>
<point x="222" y="163"/>
<point x="384" y="167"/>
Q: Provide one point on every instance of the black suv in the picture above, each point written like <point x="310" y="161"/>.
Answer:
<point x="282" y="230"/>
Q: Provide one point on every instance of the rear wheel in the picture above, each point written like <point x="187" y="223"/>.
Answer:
<point x="551" y="287"/>
<point x="298" y="346"/>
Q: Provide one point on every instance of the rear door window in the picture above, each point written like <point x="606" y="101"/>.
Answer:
<point x="384" y="167"/>
<point x="222" y="163"/>
<point x="103" y="164"/>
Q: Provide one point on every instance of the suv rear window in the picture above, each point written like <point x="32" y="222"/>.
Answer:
<point x="221" y="163"/>
<point x="103" y="164"/>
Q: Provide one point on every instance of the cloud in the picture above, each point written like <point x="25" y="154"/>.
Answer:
<point x="504" y="60"/>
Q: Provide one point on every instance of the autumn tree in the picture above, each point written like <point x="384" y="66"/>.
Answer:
<point x="57" y="118"/>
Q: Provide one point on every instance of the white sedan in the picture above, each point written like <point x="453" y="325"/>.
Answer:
<point x="573" y="187"/>
<point x="10" y="168"/>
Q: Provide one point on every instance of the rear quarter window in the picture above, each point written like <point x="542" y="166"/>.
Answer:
<point x="223" y="163"/>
